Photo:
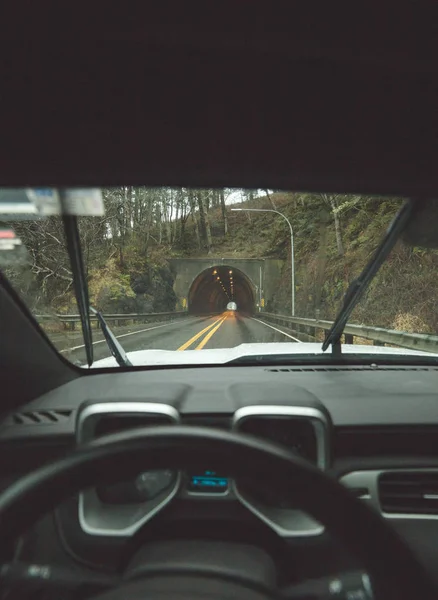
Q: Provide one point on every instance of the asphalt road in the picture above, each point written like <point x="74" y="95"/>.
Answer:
<point x="192" y="333"/>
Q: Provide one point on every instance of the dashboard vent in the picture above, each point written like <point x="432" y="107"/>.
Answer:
<point x="409" y="492"/>
<point x="41" y="417"/>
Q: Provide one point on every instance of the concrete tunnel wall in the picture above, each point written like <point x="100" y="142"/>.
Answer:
<point x="261" y="275"/>
<point x="214" y="287"/>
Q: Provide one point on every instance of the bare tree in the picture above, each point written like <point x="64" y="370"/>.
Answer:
<point x="194" y="217"/>
<point x="205" y="222"/>
<point x="331" y="200"/>
<point x="224" y="211"/>
<point x="271" y="200"/>
<point x="322" y="259"/>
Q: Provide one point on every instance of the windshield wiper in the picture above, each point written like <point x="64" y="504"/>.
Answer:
<point x="357" y="287"/>
<point x="79" y="278"/>
<point x="80" y="283"/>
<point x="113" y="344"/>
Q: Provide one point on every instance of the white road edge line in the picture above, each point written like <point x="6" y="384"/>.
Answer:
<point x="279" y="330"/>
<point x="130" y="333"/>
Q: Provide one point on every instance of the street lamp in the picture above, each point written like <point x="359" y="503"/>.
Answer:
<point x="292" y="259"/>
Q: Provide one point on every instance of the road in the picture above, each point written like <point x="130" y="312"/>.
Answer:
<point x="192" y="333"/>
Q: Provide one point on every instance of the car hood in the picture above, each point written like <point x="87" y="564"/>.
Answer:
<point x="225" y="355"/>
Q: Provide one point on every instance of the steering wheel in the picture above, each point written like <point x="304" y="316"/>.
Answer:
<point x="393" y="569"/>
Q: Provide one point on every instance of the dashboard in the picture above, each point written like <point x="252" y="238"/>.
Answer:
<point x="375" y="430"/>
<point x="122" y="509"/>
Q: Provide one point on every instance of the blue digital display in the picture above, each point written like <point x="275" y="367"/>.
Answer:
<point x="209" y="482"/>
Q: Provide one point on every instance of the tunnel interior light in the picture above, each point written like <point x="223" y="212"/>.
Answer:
<point x="214" y="288"/>
<point x="228" y="286"/>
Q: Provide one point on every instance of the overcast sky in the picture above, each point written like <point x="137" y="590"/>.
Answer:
<point x="236" y="196"/>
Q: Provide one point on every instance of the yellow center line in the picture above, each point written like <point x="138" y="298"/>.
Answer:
<point x="210" y="334"/>
<point x="198" y="335"/>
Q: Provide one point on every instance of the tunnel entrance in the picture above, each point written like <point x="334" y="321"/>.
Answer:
<point x="215" y="287"/>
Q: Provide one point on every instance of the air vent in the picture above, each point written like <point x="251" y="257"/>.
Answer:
<point x="302" y="429"/>
<point x="108" y="424"/>
<point x="409" y="492"/>
<point x="346" y="368"/>
<point x="40" y="417"/>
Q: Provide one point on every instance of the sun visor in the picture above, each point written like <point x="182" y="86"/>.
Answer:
<point x="17" y="204"/>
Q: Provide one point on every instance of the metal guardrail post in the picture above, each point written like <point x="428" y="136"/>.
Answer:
<point x="378" y="335"/>
<point x="69" y="321"/>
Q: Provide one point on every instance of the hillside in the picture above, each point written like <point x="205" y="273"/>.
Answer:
<point x="403" y="294"/>
<point x="334" y="236"/>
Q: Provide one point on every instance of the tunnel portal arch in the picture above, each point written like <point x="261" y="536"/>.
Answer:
<point x="216" y="286"/>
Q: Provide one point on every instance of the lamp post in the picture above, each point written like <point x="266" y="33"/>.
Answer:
<point x="292" y="258"/>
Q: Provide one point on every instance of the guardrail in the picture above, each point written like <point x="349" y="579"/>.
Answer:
<point x="70" y="321"/>
<point x="379" y="336"/>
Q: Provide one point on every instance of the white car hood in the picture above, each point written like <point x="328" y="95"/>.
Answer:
<point x="224" y="355"/>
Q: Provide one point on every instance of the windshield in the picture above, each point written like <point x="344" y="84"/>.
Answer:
<point x="175" y="270"/>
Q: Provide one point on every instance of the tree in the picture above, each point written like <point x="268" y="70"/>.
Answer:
<point x="322" y="259"/>
<point x="191" y="199"/>
<point x="271" y="200"/>
<point x="248" y="195"/>
<point x="205" y="222"/>
<point x="332" y="201"/>
<point x="224" y="211"/>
